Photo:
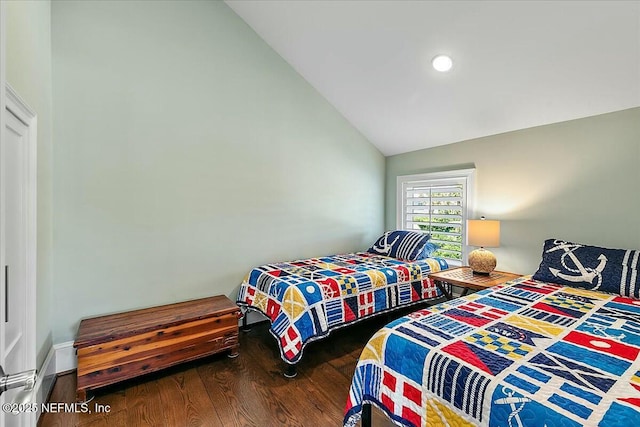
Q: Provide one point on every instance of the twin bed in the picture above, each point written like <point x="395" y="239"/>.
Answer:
<point x="528" y="353"/>
<point x="306" y="299"/>
<point x="559" y="349"/>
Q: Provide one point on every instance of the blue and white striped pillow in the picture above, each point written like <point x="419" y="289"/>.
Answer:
<point x="401" y="244"/>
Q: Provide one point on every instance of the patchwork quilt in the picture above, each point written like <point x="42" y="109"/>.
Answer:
<point x="306" y="299"/>
<point x="524" y="354"/>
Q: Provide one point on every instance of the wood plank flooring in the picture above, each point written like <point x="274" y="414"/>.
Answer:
<point x="249" y="390"/>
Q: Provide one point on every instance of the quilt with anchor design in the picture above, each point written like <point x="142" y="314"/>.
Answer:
<point x="308" y="298"/>
<point x="524" y="354"/>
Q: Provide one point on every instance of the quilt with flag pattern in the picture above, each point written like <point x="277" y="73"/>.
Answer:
<point x="306" y="299"/>
<point x="523" y="354"/>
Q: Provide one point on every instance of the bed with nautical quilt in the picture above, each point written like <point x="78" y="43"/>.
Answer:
<point x="306" y="299"/>
<point x="559" y="349"/>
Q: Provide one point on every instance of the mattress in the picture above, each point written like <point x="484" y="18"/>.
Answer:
<point x="306" y="299"/>
<point x="523" y="354"/>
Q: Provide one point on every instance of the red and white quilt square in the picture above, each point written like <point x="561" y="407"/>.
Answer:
<point x="402" y="397"/>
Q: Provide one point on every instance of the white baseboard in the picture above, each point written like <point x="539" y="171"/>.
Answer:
<point x="46" y="379"/>
<point x="61" y="358"/>
<point x="65" y="357"/>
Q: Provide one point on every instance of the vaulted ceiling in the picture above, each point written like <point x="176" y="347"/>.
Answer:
<point x="517" y="64"/>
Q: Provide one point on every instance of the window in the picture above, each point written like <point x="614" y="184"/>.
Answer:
<point x="438" y="203"/>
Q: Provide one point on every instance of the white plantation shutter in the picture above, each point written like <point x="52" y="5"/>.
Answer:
<point x="439" y="204"/>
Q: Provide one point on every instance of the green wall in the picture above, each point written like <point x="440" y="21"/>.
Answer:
<point x="187" y="151"/>
<point x="575" y="180"/>
<point x="28" y="58"/>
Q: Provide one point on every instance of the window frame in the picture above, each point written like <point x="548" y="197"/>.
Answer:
<point x="466" y="177"/>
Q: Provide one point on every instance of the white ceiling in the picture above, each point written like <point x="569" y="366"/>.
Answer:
<point x="517" y="64"/>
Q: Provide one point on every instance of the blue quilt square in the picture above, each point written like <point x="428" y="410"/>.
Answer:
<point x="380" y="299"/>
<point x="405" y="357"/>
<point x="305" y="326"/>
<point x="391" y="274"/>
<point x="363" y="281"/>
<point x="328" y="273"/>
<point x="620" y="416"/>
<point x="311" y="291"/>
<point x="530" y="413"/>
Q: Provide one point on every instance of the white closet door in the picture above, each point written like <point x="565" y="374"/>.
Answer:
<point x="15" y="258"/>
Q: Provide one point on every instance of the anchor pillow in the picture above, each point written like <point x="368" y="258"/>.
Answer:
<point x="613" y="271"/>
<point x="401" y="244"/>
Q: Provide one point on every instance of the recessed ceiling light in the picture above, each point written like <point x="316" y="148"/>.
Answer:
<point x="442" y="63"/>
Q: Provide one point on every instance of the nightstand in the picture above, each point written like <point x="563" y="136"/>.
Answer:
<point x="467" y="279"/>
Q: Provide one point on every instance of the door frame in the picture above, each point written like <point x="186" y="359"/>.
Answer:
<point x="22" y="111"/>
<point x="19" y="108"/>
<point x="3" y="37"/>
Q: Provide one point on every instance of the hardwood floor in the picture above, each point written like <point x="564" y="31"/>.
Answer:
<point x="249" y="390"/>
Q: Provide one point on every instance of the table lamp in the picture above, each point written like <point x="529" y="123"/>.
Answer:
<point x="483" y="233"/>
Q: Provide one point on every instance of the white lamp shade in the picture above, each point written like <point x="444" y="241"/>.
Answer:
<point x="482" y="232"/>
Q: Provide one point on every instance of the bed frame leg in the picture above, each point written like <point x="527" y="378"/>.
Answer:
<point x="290" y="371"/>
<point x="366" y="415"/>
<point x="245" y="327"/>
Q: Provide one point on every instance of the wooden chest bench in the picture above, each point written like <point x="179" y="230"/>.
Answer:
<point x="117" y="347"/>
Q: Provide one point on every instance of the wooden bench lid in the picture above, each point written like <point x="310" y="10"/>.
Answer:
<point x="97" y="330"/>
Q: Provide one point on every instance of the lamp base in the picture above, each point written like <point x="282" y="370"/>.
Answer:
<point x="482" y="261"/>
